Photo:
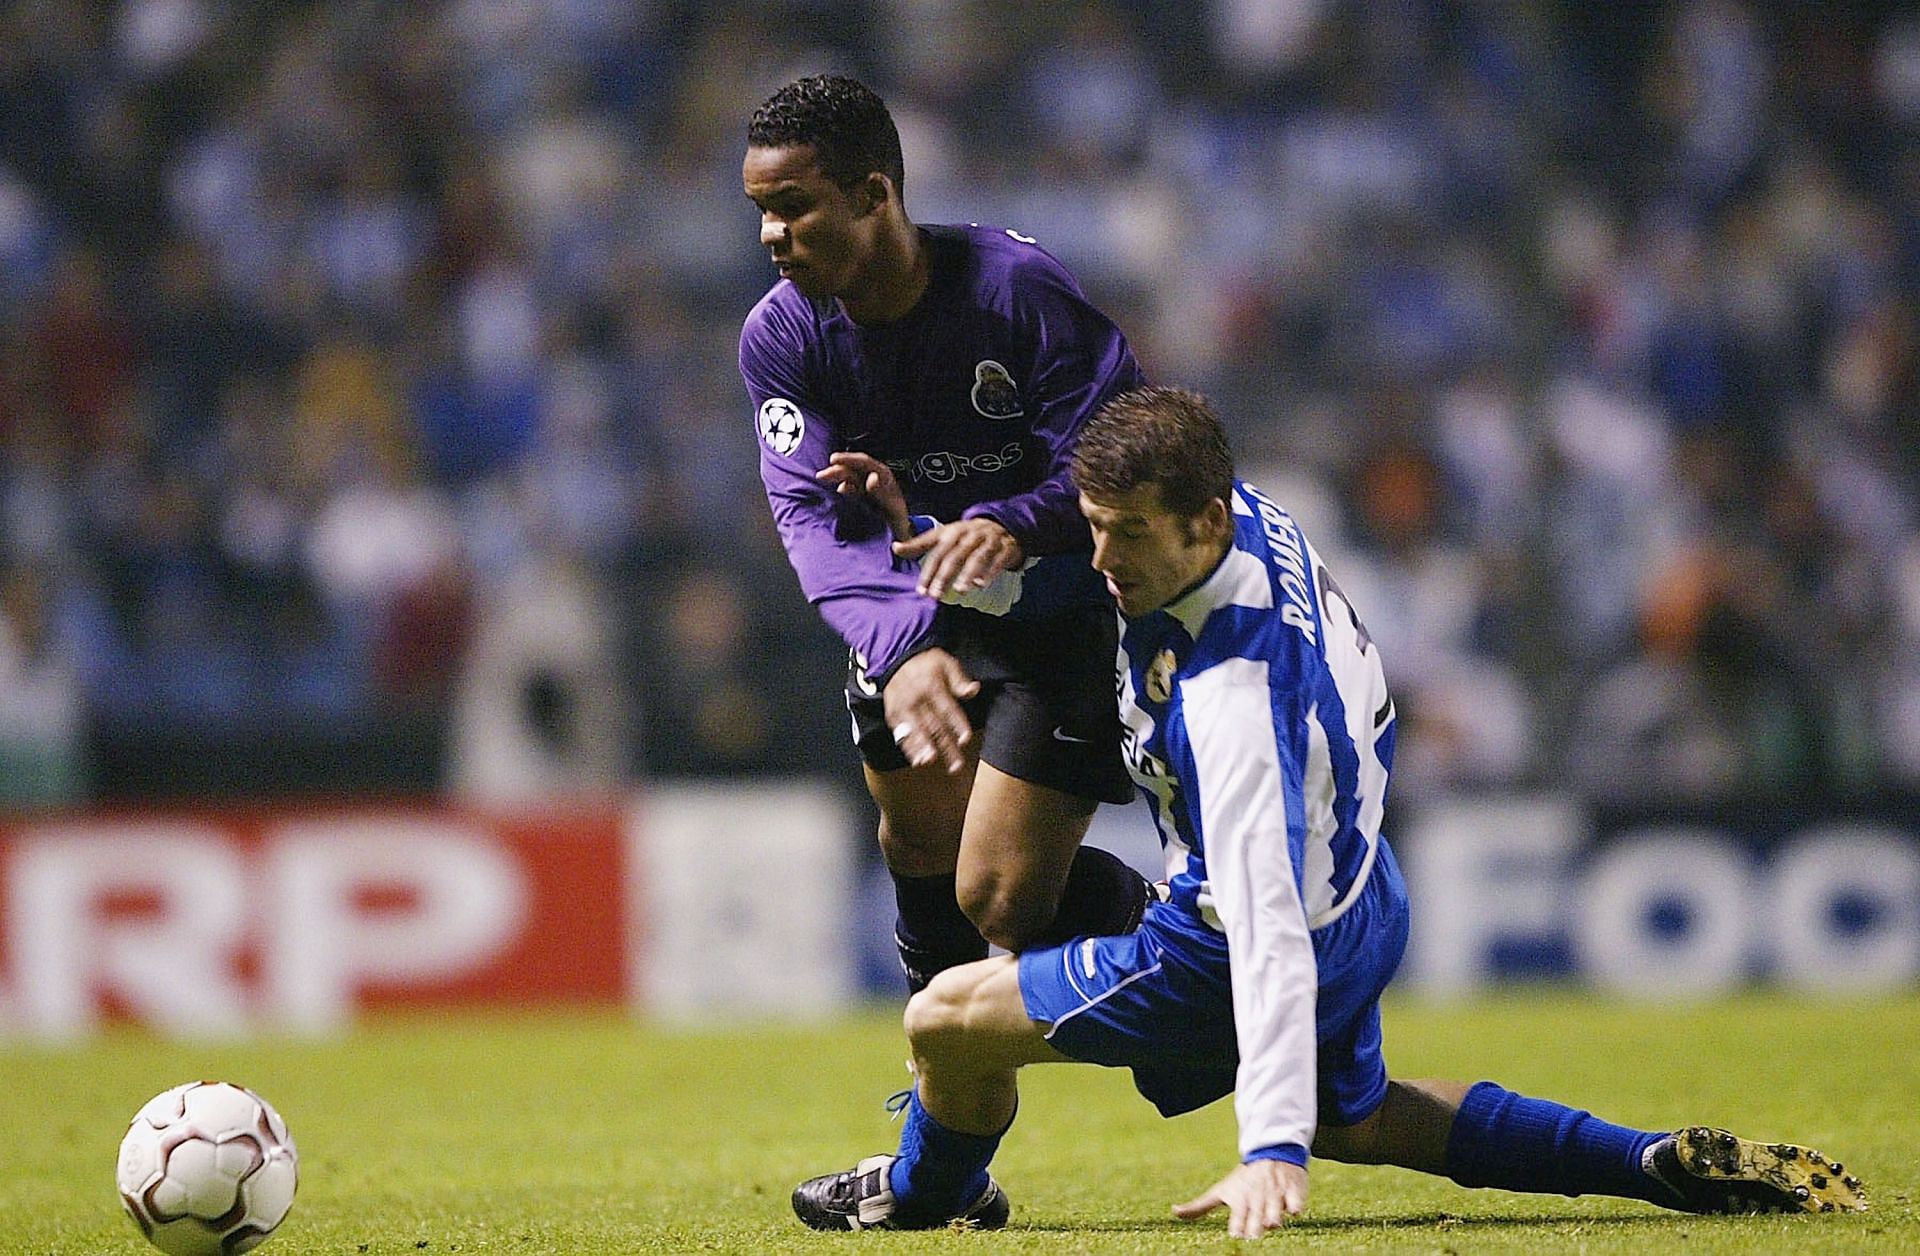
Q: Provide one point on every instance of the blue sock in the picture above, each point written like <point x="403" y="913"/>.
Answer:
<point x="939" y="1170"/>
<point x="1521" y="1144"/>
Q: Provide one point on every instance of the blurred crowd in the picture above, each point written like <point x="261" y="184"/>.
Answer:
<point x="369" y="366"/>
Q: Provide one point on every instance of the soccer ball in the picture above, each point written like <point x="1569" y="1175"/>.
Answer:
<point x="207" y="1169"/>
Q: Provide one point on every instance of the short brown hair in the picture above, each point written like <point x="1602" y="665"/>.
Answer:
<point x="1165" y="436"/>
<point x="851" y="132"/>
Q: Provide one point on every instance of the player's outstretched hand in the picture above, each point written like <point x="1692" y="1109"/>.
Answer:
<point x="923" y="709"/>
<point x="1258" y="1196"/>
<point x="962" y="556"/>
<point x="857" y="474"/>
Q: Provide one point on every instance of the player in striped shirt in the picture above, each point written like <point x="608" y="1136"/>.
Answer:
<point x="1260" y="729"/>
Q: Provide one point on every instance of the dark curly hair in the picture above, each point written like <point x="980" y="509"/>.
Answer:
<point x="846" y="123"/>
<point x="1165" y="436"/>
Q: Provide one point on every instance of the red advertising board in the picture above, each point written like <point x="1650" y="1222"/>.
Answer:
<point x="223" y="921"/>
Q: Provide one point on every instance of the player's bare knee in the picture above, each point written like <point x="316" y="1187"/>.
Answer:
<point x="1006" y="912"/>
<point x="937" y="1026"/>
<point x="971" y="1019"/>
<point x="937" y="1017"/>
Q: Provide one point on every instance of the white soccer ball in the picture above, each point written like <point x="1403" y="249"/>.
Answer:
<point x="207" y="1169"/>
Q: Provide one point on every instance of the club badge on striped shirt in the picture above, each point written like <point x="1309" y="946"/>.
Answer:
<point x="1160" y="676"/>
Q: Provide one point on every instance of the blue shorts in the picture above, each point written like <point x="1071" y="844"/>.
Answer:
<point x="1158" y="1001"/>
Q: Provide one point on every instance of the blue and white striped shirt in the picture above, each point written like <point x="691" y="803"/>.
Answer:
<point x="1258" y="725"/>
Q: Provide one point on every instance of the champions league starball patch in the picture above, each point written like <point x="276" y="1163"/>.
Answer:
<point x="994" y="393"/>
<point x="781" y="425"/>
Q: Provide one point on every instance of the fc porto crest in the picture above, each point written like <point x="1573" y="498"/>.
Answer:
<point x="994" y="394"/>
<point x="1160" y="676"/>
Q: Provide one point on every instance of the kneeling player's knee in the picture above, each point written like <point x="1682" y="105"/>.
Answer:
<point x="936" y="1018"/>
<point x="966" y="1015"/>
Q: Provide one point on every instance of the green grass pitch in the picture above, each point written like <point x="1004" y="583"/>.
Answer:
<point x="592" y="1133"/>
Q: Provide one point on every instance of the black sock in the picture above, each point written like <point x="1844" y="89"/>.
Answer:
<point x="933" y="934"/>
<point x="1103" y="897"/>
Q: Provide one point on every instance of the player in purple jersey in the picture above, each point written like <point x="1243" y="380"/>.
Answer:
<point x="964" y="359"/>
<point x="1261" y="733"/>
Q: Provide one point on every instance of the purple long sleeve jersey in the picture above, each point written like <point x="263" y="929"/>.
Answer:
<point x="973" y="398"/>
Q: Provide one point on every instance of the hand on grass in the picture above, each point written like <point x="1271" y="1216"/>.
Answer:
<point x="1258" y="1196"/>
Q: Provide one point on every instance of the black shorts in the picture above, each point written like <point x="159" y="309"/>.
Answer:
<point x="1046" y="710"/>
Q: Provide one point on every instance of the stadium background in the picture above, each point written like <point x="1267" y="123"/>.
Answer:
<point x="375" y="473"/>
